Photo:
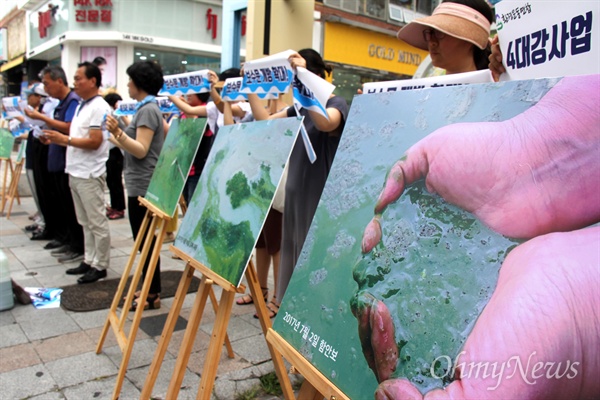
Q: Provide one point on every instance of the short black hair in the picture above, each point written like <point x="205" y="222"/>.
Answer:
<point x="91" y="71"/>
<point x="55" y="73"/>
<point x="229" y="73"/>
<point x="112" y="99"/>
<point x="99" y="61"/>
<point x="146" y="75"/>
<point x="315" y="63"/>
<point x="203" y="97"/>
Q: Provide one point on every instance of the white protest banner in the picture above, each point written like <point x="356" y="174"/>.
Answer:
<point x="231" y="91"/>
<point x="272" y="74"/>
<point x="311" y="91"/>
<point x="187" y="83"/>
<point x="166" y="106"/>
<point x="482" y="76"/>
<point x="13" y="106"/>
<point x="541" y="39"/>
<point x="128" y="107"/>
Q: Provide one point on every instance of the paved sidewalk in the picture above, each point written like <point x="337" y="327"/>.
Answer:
<point x="50" y="354"/>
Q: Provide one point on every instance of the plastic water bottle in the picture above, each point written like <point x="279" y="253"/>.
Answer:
<point x="6" y="294"/>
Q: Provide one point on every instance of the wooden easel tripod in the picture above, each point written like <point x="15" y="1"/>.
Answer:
<point x="154" y="224"/>
<point x="9" y="195"/>
<point x="223" y="314"/>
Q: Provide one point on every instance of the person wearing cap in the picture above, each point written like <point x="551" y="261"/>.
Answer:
<point x="36" y="97"/>
<point x="457" y="35"/>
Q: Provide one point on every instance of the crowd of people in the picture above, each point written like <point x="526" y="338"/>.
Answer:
<point x="82" y="147"/>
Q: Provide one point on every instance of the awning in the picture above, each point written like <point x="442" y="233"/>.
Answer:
<point x="13" y="63"/>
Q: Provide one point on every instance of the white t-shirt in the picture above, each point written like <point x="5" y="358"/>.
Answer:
<point x="215" y="117"/>
<point x="83" y="163"/>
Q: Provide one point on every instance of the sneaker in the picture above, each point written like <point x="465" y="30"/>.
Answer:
<point x="31" y="228"/>
<point x="41" y="235"/>
<point x="92" y="275"/>
<point x="61" y="251"/>
<point x="53" y="244"/>
<point x="70" y="256"/>
<point x="80" y="270"/>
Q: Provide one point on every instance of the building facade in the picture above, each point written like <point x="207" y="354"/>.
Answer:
<point x="358" y="38"/>
<point x="182" y="35"/>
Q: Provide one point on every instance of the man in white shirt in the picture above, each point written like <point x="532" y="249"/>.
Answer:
<point x="87" y="152"/>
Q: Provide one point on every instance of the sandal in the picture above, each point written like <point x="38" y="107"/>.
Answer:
<point x="135" y="295"/>
<point x="247" y="298"/>
<point x="152" y="302"/>
<point x="272" y="307"/>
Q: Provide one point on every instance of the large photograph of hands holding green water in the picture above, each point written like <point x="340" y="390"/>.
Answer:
<point x="383" y="294"/>
<point x="174" y="163"/>
<point x="235" y="191"/>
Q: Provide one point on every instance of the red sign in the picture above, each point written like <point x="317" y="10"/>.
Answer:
<point x="95" y="11"/>
<point x="211" y="22"/>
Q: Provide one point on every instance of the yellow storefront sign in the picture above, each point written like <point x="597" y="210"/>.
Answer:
<point x="346" y="44"/>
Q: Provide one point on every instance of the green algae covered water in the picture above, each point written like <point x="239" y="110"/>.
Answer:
<point x="435" y="270"/>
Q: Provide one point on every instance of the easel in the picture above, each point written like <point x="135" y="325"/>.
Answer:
<point x="7" y="188"/>
<point x="155" y="219"/>
<point x="316" y="385"/>
<point x="223" y="314"/>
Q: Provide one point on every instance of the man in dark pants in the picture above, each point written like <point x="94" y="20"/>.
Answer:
<point x="61" y="221"/>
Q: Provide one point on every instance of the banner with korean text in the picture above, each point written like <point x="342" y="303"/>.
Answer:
<point x="483" y="76"/>
<point x="187" y="83"/>
<point x="548" y="38"/>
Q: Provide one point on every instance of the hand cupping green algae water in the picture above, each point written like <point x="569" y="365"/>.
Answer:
<point x="421" y="289"/>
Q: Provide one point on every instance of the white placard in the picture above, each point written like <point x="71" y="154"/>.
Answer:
<point x="482" y="76"/>
<point x="542" y="39"/>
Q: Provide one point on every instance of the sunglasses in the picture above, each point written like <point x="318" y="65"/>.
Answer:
<point x="432" y="33"/>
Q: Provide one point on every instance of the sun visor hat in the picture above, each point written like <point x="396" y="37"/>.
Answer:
<point x="457" y="20"/>
<point x="38" y="89"/>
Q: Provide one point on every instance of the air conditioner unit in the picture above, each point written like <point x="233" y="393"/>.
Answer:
<point x="396" y="13"/>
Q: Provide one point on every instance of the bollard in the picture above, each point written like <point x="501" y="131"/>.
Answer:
<point x="6" y="294"/>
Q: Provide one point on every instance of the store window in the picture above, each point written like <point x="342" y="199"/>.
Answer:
<point x="399" y="10"/>
<point x="373" y="8"/>
<point x="177" y="63"/>
<point x="421" y="6"/>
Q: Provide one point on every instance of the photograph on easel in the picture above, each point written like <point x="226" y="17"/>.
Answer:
<point x="6" y="143"/>
<point x="234" y="194"/>
<point x="387" y="286"/>
<point x="174" y="163"/>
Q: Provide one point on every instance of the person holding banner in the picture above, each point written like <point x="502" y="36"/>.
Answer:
<point x="456" y="35"/>
<point x="114" y="167"/>
<point x="142" y="142"/>
<point x="34" y="100"/>
<point x="306" y="180"/>
<point x="213" y="111"/>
